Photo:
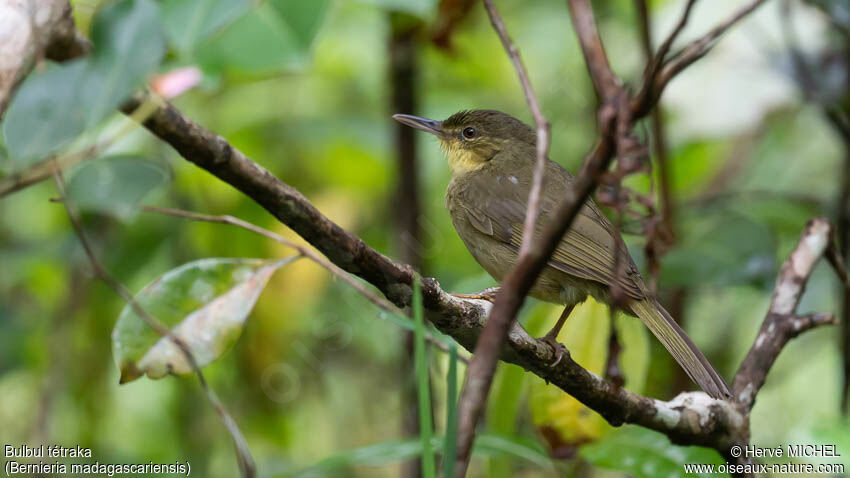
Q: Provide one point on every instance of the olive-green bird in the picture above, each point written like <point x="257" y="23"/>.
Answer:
<point x="492" y="157"/>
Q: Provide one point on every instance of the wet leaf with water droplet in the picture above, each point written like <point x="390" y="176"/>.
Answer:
<point x="205" y="303"/>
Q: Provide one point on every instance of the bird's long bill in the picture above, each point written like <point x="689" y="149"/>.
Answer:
<point x="425" y="124"/>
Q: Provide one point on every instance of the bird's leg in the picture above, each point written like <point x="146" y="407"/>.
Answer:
<point x="551" y="337"/>
<point x="488" y="294"/>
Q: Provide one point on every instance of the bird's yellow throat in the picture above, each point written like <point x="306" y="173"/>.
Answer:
<point x="461" y="160"/>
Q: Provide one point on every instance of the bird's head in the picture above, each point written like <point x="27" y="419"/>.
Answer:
<point x="472" y="138"/>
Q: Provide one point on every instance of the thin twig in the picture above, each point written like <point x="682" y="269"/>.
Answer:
<point x="540" y="122"/>
<point x="243" y="454"/>
<point x="684" y="58"/>
<point x="605" y="82"/>
<point x="654" y="246"/>
<point x="530" y="263"/>
<point x="656" y="61"/>
<point x="309" y="254"/>
<point x="44" y="169"/>
<point x="699" y="47"/>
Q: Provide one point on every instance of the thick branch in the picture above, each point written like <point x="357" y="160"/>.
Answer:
<point x="462" y="319"/>
<point x="782" y="322"/>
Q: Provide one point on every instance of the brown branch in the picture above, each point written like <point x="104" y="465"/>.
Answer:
<point x="782" y="322"/>
<point x="658" y="134"/>
<point x="689" y="419"/>
<point x="656" y="61"/>
<point x="654" y="85"/>
<point x="243" y="454"/>
<point x="698" y="48"/>
<point x="605" y="83"/>
<point x="381" y="303"/>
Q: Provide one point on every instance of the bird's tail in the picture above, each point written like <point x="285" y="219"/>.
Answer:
<point x="681" y="347"/>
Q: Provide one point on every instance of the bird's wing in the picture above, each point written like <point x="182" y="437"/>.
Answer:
<point x="586" y="251"/>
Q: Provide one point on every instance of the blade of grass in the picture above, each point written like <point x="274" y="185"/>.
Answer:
<point x="450" y="442"/>
<point x="424" y="389"/>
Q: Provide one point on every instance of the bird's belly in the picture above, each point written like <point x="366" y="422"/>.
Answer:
<point x="551" y="286"/>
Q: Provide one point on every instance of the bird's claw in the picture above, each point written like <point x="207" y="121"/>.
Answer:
<point x="488" y="294"/>
<point x="559" y="349"/>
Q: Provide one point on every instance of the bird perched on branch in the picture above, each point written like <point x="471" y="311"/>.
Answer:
<point x="492" y="157"/>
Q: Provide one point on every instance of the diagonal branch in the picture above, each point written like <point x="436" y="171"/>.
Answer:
<point x="381" y="303"/>
<point x="654" y="85"/>
<point x="689" y="419"/>
<point x="782" y="322"/>
<point x="605" y="82"/>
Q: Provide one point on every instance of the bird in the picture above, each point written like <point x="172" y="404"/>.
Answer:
<point x="492" y="158"/>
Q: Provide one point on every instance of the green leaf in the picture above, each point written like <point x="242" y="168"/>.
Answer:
<point x="274" y="37"/>
<point x="190" y="23"/>
<point x="56" y="104"/>
<point x="644" y="453"/>
<point x="302" y="18"/>
<point x="47" y="113"/>
<point x="396" y="451"/>
<point x="720" y="248"/>
<point x="205" y="303"/>
<point x="115" y="185"/>
<point x="564" y="421"/>
<point x="423" y="385"/>
<point x="420" y="8"/>
<point x="129" y="45"/>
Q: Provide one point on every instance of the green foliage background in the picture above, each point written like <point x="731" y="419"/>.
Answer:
<point x="302" y="88"/>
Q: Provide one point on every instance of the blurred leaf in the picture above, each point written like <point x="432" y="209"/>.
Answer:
<point x="694" y="164"/>
<point x="189" y="23"/>
<point x="205" y="303"/>
<point x="525" y="448"/>
<point x="396" y="451"/>
<point x="273" y="37"/>
<point x="838" y="10"/>
<point x="115" y="185"/>
<point x="56" y="104"/>
<point x="302" y="18"/>
<point x="837" y="433"/>
<point x="46" y="113"/>
<point x="564" y="421"/>
<point x="720" y="247"/>
<point x="407" y="324"/>
<point x="420" y="8"/>
<point x="502" y="411"/>
<point x="129" y="45"/>
<point x="423" y="383"/>
<point x="643" y="453"/>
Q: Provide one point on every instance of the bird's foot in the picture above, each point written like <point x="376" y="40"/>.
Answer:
<point x="488" y="294"/>
<point x="558" y="348"/>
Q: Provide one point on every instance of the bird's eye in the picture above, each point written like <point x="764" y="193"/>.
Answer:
<point x="469" y="133"/>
